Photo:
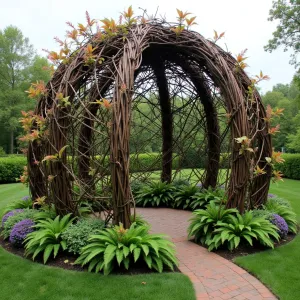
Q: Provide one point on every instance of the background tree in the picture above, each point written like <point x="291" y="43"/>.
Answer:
<point x="19" y="66"/>
<point x="285" y="96"/>
<point x="287" y="33"/>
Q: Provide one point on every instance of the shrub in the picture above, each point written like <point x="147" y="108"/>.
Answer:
<point x="261" y="213"/>
<point x="11" y="167"/>
<point x="47" y="238"/>
<point x="2" y="152"/>
<point x="155" y="194"/>
<point x="120" y="247"/>
<point x="281" y="224"/>
<point x="45" y="212"/>
<point x="183" y="196"/>
<point x="285" y="212"/>
<point x="193" y="158"/>
<point x="138" y="220"/>
<point x="243" y="228"/>
<point x="291" y="166"/>
<point x="20" y="231"/>
<point x="204" y="197"/>
<point x="9" y="214"/>
<point x="204" y="221"/>
<point x="180" y="182"/>
<point x="279" y="201"/>
<point x="14" y="219"/>
<point x="23" y="203"/>
<point x="149" y="162"/>
<point x="138" y="184"/>
<point x="77" y="235"/>
<point x="84" y="209"/>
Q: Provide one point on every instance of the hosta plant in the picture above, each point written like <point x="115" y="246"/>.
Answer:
<point x="204" y="221"/>
<point x="155" y="194"/>
<point x="183" y="196"/>
<point x="138" y="220"/>
<point x="243" y="228"/>
<point x="136" y="185"/>
<point x="285" y="212"/>
<point x="47" y="238"/>
<point x="180" y="182"/>
<point x="116" y="247"/>
<point x="201" y="199"/>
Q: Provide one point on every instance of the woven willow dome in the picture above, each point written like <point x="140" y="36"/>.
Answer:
<point x="89" y="109"/>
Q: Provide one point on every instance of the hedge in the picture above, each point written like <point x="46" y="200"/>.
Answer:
<point x="291" y="167"/>
<point x="11" y="167"/>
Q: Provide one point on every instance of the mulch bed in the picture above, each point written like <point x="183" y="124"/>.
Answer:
<point x="66" y="260"/>
<point x="244" y="250"/>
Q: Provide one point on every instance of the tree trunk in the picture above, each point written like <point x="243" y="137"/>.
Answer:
<point x="166" y="119"/>
<point x="12" y="137"/>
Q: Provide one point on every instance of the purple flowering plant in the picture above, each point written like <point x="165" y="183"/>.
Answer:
<point x="26" y="198"/>
<point x="20" y="231"/>
<point x="9" y="214"/>
<point x="272" y="195"/>
<point x="281" y="224"/>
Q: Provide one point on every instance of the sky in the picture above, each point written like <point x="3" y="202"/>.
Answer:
<point x="244" y="22"/>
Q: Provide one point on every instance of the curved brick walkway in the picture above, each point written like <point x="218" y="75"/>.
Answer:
<point x="213" y="276"/>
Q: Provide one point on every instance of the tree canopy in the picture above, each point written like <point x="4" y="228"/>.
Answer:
<point x="287" y="33"/>
<point x="19" y="66"/>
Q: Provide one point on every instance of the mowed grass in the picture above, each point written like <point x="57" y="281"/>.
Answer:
<point x="22" y="279"/>
<point x="279" y="268"/>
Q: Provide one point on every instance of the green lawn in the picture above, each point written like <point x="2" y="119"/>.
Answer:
<point x="279" y="268"/>
<point x="22" y="279"/>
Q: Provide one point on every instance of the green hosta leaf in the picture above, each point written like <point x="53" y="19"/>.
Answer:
<point x="126" y="262"/>
<point x="136" y="254"/>
<point x="108" y="268"/>
<point x="125" y="251"/>
<point x="64" y="245"/>
<point x="145" y="249"/>
<point x="109" y="254"/>
<point x="56" y="249"/>
<point x="92" y="264"/>
<point x="47" y="252"/>
<point x="99" y="266"/>
<point x="158" y="265"/>
<point x="119" y="256"/>
<point x="148" y="260"/>
<point x="248" y="238"/>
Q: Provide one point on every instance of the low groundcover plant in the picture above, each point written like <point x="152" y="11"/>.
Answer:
<point x="20" y="231"/>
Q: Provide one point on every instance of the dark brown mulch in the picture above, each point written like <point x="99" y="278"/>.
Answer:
<point x="66" y="260"/>
<point x="244" y="250"/>
<point x="62" y="260"/>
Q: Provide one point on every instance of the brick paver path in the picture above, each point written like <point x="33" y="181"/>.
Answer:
<point x="213" y="276"/>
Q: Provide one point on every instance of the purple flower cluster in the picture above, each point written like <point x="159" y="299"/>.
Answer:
<point x="271" y="196"/>
<point x="281" y="224"/>
<point x="199" y="185"/>
<point x="26" y="198"/>
<point x="20" y="231"/>
<point x="11" y="213"/>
